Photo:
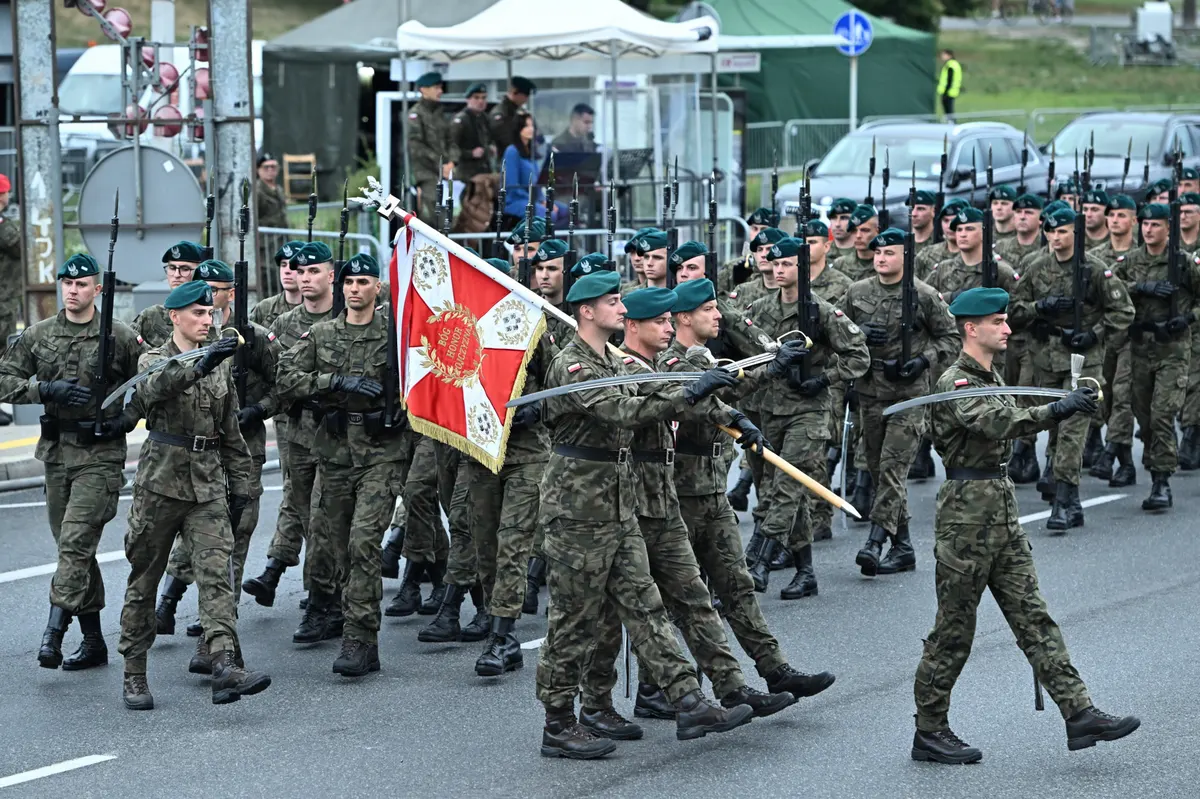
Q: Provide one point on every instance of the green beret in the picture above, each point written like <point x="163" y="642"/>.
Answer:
<point x="862" y="213"/>
<point x="1003" y="193"/>
<point x="288" y="249"/>
<point x="1028" y="201"/>
<point x="592" y="262"/>
<point x="361" y="265"/>
<point x="1095" y="197"/>
<point x="194" y="292"/>
<point x="549" y="250"/>
<point x="1190" y="173"/>
<point x="1189" y="198"/>
<point x="597" y="284"/>
<point x="631" y="245"/>
<point x="648" y="303"/>
<point x="784" y="248"/>
<point x="686" y="252"/>
<point x="1155" y="211"/>
<point x="214" y="270"/>
<point x="763" y="216"/>
<point x="537" y="231"/>
<point x="966" y="216"/>
<point x="842" y="205"/>
<point x="978" y="302"/>
<point x="889" y="238"/>
<point x="314" y="252"/>
<point x="924" y="197"/>
<point x="429" y="79"/>
<point x="500" y="264"/>
<point x="816" y="228"/>
<point x="524" y="85"/>
<point x="473" y="251"/>
<point x="766" y="237"/>
<point x="1065" y="187"/>
<point x="476" y="88"/>
<point x="187" y="251"/>
<point x="651" y="242"/>
<point x="1053" y="206"/>
<point x="79" y="265"/>
<point x="1159" y="186"/>
<point x="1057" y="218"/>
<point x="691" y="294"/>
<point x="1121" y="201"/>
<point x="952" y="207"/>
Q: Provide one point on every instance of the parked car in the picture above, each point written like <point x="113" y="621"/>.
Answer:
<point x="914" y="151"/>
<point x="1112" y="132"/>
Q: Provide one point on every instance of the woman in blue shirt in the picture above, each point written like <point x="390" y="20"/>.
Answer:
<point x="520" y="164"/>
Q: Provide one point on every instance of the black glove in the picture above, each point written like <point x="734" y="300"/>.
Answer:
<point x="751" y="437"/>
<point x="707" y="383"/>
<point x="356" y="384"/>
<point x="811" y="386"/>
<point x="1080" y="342"/>
<point x="876" y="334"/>
<point x="1049" y="306"/>
<point x="1178" y="324"/>
<point x="789" y="353"/>
<point x="527" y="416"/>
<point x="1154" y="288"/>
<point x="218" y="351"/>
<point x="913" y="368"/>
<point x="64" y="392"/>
<point x="852" y="399"/>
<point x="1081" y="400"/>
<point x="251" y="414"/>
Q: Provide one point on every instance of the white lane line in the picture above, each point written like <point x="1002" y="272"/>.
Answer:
<point x="57" y="768"/>
<point x="1087" y="503"/>
<point x="122" y="498"/>
<point x="534" y="644"/>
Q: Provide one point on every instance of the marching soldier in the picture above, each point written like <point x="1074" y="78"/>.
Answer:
<point x="934" y="254"/>
<point x="193" y="480"/>
<point x="55" y="363"/>
<point x="429" y="144"/>
<point x="864" y="224"/>
<point x="1026" y="238"/>
<point x="839" y="225"/>
<point x="153" y="324"/>
<point x="980" y="544"/>
<point x="500" y="118"/>
<point x="1095" y="219"/>
<point x="1189" y="416"/>
<point x="653" y="249"/>
<point x="548" y="271"/>
<point x="635" y="261"/>
<point x="471" y="138"/>
<point x="1189" y="221"/>
<point x="738" y="270"/>
<point x="921" y="218"/>
<point x="1189" y="182"/>
<point x="269" y="309"/>
<point x="425" y="548"/>
<point x="763" y="280"/>
<point x="1002" y="199"/>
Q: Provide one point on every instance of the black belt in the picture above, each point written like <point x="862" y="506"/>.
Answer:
<point x="714" y="450"/>
<point x="622" y="455"/>
<point x="192" y="443"/>
<point x="962" y="473"/>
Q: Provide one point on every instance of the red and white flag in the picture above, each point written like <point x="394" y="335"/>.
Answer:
<point x="465" y="334"/>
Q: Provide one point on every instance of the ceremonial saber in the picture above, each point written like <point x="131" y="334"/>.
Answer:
<point x="158" y="366"/>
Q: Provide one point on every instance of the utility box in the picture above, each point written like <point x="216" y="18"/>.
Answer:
<point x="1153" y="22"/>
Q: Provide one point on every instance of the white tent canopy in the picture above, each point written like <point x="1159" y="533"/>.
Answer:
<point x="518" y="29"/>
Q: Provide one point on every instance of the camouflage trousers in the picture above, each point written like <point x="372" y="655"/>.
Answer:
<point x="822" y="512"/>
<point x="461" y="563"/>
<point x="424" y="537"/>
<point x="1117" y="408"/>
<point x="301" y="495"/>
<point x="677" y="575"/>
<point x="592" y="563"/>
<point x="713" y="529"/>
<point x="356" y="502"/>
<point x="800" y="440"/>
<point x="1019" y="371"/>
<point x="1159" y="386"/>
<point x="8" y="325"/>
<point x="427" y="197"/>
<point x="154" y="521"/>
<point x="1067" y="439"/>
<point x="971" y="558"/>
<point x="1189" y="416"/>
<point x="891" y="444"/>
<point x="80" y="501"/>
<point x="762" y="504"/>
<point x="503" y="512"/>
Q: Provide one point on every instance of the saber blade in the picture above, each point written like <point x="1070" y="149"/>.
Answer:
<point x="967" y="393"/>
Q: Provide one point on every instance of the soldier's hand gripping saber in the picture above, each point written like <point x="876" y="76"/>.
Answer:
<point x="158" y="366"/>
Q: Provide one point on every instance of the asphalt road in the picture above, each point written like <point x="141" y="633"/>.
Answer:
<point x="1123" y="588"/>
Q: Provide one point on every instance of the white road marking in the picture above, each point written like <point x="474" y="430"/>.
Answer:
<point x="40" y="571"/>
<point x="534" y="644"/>
<point x="57" y="768"/>
<point x="1087" y="503"/>
<point x="122" y="498"/>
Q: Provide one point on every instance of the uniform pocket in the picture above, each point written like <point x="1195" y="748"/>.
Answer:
<point x="945" y="555"/>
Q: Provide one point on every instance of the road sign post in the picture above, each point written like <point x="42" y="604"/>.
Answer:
<point x="854" y="28"/>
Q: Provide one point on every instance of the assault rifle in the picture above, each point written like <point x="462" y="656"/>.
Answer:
<point x="103" y="377"/>
<point x="991" y="276"/>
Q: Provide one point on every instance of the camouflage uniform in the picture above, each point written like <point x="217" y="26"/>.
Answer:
<point x="1018" y="360"/>
<point x="980" y="544"/>
<point x="153" y="324"/>
<point x="831" y="286"/>
<point x="461" y="562"/>
<point x="270" y="209"/>
<point x="733" y="272"/>
<point x="177" y="490"/>
<point x="1117" y="408"/>
<point x="362" y="467"/>
<point x="82" y="477"/>
<point x="854" y="267"/>
<point x="931" y="256"/>
<point x="836" y="251"/>
<point x="500" y="121"/>
<point x="266" y="311"/>
<point x="468" y="130"/>
<point x="425" y="536"/>
<point x="922" y="246"/>
<point x="12" y="275"/>
<point x="429" y="147"/>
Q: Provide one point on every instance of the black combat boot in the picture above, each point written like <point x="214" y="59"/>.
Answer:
<point x="50" y="655"/>
<point x="263" y="587"/>
<point x="797" y="683"/>
<point x="201" y="662"/>
<point x="863" y="496"/>
<point x="164" y="614"/>
<point x="357" y="658"/>
<point x="739" y="495"/>
<point x="755" y="547"/>
<point x="652" y="703"/>
<point x="1090" y="725"/>
<point x="564" y="736"/>
<point x="445" y="626"/>
<point x="805" y="582"/>
<point x="943" y="746"/>
<point x="1060" y="511"/>
<point x="92" y="651"/>
<point x="1159" y="499"/>
<point x="900" y="557"/>
<point x="608" y="723"/>
<point x="762" y="704"/>
<point x="408" y="599"/>
<point x="823" y="532"/>
<point x="783" y="560"/>
<point x="1022" y="466"/>
<point x="437" y="574"/>
<point x="760" y="570"/>
<point x="922" y="467"/>
<point x="391" y="552"/>
<point x="1046" y="484"/>
<point x="503" y="652"/>
<point x="195" y="629"/>
<point x="1102" y="468"/>
<point x="534" y="577"/>
<point x="1092" y="447"/>
<point x="1126" y="473"/>
<point x="230" y="682"/>
<point x="1189" y="450"/>
<point x="136" y="692"/>
<point x="696" y="716"/>
<point x="317" y="623"/>
<point x="867" y="559"/>
<point x="481" y="624"/>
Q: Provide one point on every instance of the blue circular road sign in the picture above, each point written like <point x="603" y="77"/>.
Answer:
<point x="855" y="28"/>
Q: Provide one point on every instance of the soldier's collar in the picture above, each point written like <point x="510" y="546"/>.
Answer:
<point x="969" y="363"/>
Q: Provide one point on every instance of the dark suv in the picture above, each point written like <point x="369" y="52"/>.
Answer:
<point x="916" y="147"/>
<point x="1112" y="132"/>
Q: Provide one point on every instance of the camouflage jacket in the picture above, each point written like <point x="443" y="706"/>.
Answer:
<point x="468" y="130"/>
<point x="1108" y="255"/>
<point x="836" y="251"/>
<point x="301" y="429"/>
<point x="654" y="483"/>
<point x="830" y="285"/>
<point x="952" y="277"/>
<point x="1013" y="252"/>
<point x="922" y="246"/>
<point x="11" y="272"/>
<point x="335" y="347"/>
<point x="744" y="295"/>
<point x="428" y="140"/>
<point x="974" y="434"/>
<point x="1094" y="244"/>
<point x="935" y="335"/>
<point x="268" y="310"/>
<point x="180" y="402"/>
<point x="735" y="272"/>
<point x="1140" y="265"/>
<point x="153" y="324"/>
<point x="560" y="332"/>
<point x="270" y="205"/>
<point x="604" y="419"/>
<point x="55" y="349"/>
<point x="532" y="444"/>
<point x="854" y="267"/>
<point x="262" y="361"/>
<point x="930" y="257"/>
<point x="999" y="236"/>
<point x="1107" y="309"/>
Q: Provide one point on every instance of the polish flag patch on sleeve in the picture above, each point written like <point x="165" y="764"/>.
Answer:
<point x="141" y="340"/>
<point x="1108" y="273"/>
<point x="628" y="359"/>
<point x="749" y="322"/>
<point x="961" y="382"/>
<point x="575" y="367"/>
<point x="838" y="312"/>
<point x="672" y="361"/>
<point x="270" y="336"/>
